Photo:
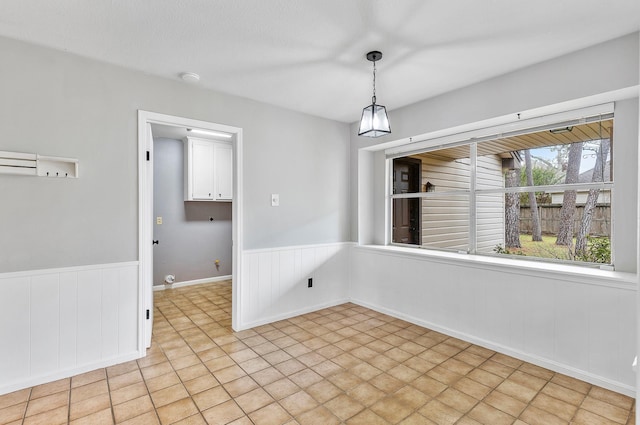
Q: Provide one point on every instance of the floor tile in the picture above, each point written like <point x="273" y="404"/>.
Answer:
<point x="178" y="410"/>
<point x="133" y="408"/>
<point x="367" y="417"/>
<point x="344" y="406"/>
<point x="89" y="406"/>
<point x="272" y="414"/>
<point x="281" y="388"/>
<point x="505" y="403"/>
<point x="48" y="402"/>
<point x="16" y="397"/>
<point x="253" y="400"/>
<point x="102" y="417"/>
<point x="169" y="395"/>
<point x="534" y="416"/>
<point x="223" y="413"/>
<point x="89" y="390"/>
<point x="298" y="403"/>
<point x="391" y="409"/>
<point x="554" y="406"/>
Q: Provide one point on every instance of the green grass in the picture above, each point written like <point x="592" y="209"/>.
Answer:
<point x="546" y="248"/>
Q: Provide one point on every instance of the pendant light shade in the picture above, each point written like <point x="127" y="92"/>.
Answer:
<point x="374" y="121"/>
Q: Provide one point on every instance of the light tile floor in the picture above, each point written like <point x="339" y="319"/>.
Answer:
<point x="345" y="364"/>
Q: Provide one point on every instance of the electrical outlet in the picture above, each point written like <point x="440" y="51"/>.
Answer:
<point x="310" y="282"/>
<point x="158" y="220"/>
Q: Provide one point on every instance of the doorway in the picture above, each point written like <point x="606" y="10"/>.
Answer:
<point x="146" y="217"/>
<point x="406" y="211"/>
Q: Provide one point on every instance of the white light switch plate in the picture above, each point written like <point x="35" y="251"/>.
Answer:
<point x="275" y="200"/>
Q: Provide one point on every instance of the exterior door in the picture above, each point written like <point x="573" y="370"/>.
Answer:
<point x="406" y="212"/>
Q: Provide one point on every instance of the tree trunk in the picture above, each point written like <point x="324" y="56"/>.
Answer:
<point x="536" y="231"/>
<point x="565" y="233"/>
<point x="512" y="211"/>
<point x="590" y="205"/>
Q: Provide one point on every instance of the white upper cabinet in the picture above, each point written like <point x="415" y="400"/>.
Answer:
<point x="223" y="171"/>
<point x="208" y="170"/>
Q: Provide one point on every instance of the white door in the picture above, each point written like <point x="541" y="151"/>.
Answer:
<point x="147" y="265"/>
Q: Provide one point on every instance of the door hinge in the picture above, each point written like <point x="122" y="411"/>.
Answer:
<point x="148" y="155"/>
<point x="147" y="314"/>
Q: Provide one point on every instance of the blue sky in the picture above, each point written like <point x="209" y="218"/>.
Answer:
<point x="588" y="157"/>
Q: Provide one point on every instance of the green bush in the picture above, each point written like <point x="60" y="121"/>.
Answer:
<point x="598" y="250"/>
<point x="499" y="249"/>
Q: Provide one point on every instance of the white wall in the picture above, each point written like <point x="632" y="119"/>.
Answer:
<point x="58" y="104"/>
<point x="59" y="322"/>
<point x="277" y="281"/>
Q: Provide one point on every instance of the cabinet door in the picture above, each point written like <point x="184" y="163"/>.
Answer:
<point x="202" y="170"/>
<point x="223" y="155"/>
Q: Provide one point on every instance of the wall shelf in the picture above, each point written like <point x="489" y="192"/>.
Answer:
<point x="30" y="164"/>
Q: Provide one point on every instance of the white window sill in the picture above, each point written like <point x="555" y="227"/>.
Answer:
<point x="623" y="280"/>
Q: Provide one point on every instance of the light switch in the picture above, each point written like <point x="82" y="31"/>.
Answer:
<point x="275" y="200"/>
<point x="158" y="220"/>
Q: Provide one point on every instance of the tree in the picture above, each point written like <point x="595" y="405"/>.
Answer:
<point x="536" y="230"/>
<point x="544" y="173"/>
<point x="565" y="233"/>
<point x="512" y="211"/>
<point x="589" y="207"/>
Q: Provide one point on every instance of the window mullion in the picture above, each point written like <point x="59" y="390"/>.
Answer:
<point x="473" y="147"/>
<point x="554" y="188"/>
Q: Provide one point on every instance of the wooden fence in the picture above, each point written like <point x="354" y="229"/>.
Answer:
<point x="550" y="219"/>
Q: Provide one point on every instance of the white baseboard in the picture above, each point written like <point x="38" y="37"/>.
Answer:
<point x="289" y="314"/>
<point x="66" y="373"/>
<point x="191" y="282"/>
<point x="536" y="360"/>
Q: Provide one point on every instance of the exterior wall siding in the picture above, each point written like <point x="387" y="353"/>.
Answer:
<point x="445" y="220"/>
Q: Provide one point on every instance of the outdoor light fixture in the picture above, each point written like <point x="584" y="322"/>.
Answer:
<point x="374" y="122"/>
<point x="561" y="130"/>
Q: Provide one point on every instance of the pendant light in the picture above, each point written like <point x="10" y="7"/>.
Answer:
<point x="374" y="122"/>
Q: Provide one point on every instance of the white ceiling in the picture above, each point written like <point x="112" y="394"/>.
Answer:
<point x="309" y="55"/>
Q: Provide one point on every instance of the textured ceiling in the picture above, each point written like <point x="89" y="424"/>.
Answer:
<point x="308" y="55"/>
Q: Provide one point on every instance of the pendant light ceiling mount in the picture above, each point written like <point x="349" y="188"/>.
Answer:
<point x="374" y="121"/>
<point x="374" y="56"/>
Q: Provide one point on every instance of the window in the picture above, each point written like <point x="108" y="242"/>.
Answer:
<point x="542" y="192"/>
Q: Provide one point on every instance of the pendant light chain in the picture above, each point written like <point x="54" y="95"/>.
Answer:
<point x="373" y="98"/>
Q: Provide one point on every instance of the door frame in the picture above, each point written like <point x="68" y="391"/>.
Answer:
<point x="145" y="216"/>
<point x="412" y="162"/>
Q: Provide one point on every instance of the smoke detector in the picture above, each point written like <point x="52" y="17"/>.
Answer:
<point x="190" y="77"/>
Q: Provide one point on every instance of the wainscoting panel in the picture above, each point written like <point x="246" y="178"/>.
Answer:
<point x="59" y="322"/>
<point x="583" y="329"/>
<point x="275" y="281"/>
